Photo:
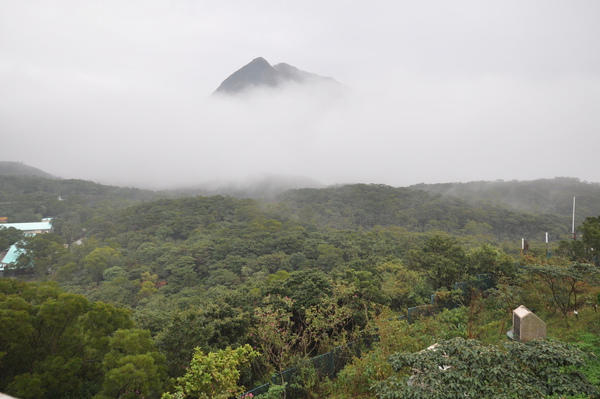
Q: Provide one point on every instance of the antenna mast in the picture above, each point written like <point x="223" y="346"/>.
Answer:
<point x="573" y="228"/>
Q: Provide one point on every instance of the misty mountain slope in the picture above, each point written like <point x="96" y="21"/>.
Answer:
<point x="259" y="187"/>
<point x="504" y="210"/>
<point x="260" y="74"/>
<point x="29" y="198"/>
<point x="370" y="205"/>
<point x="541" y="196"/>
<point x="8" y="168"/>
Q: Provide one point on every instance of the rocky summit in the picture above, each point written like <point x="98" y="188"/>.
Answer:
<point x="259" y="73"/>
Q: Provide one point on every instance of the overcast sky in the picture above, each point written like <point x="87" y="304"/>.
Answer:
<point x="118" y="91"/>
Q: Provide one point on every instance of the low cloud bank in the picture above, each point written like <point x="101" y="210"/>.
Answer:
<point x="406" y="130"/>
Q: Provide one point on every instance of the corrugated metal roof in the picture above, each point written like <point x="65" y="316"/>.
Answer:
<point x="32" y="226"/>
<point x="11" y="256"/>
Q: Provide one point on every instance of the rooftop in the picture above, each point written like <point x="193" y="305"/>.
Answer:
<point x="11" y="256"/>
<point x="43" y="225"/>
<point x="522" y="311"/>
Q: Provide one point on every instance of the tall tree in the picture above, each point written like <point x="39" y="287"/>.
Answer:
<point x="9" y="236"/>
<point x="42" y="253"/>
<point x="52" y="343"/>
<point x="442" y="260"/>
<point x="563" y="284"/>
<point x="133" y="367"/>
<point x="99" y="260"/>
<point x="590" y="230"/>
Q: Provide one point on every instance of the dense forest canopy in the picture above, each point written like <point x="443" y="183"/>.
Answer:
<point x="141" y="294"/>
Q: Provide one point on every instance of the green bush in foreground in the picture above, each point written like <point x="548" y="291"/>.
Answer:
<point x="460" y="368"/>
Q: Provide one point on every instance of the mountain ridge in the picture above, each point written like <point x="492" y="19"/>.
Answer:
<point x="10" y="168"/>
<point x="539" y="196"/>
<point x="259" y="73"/>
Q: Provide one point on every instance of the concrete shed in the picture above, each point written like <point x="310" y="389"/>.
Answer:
<point x="526" y="325"/>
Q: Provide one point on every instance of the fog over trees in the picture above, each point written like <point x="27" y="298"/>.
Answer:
<point x="365" y="235"/>
<point x="137" y="293"/>
<point x="436" y="93"/>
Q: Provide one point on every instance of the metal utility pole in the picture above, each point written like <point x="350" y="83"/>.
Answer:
<point x="573" y="228"/>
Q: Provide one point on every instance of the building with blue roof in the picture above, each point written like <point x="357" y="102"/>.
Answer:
<point x="10" y="258"/>
<point x="32" y="228"/>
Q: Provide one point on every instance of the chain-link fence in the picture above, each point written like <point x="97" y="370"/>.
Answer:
<point x="330" y="363"/>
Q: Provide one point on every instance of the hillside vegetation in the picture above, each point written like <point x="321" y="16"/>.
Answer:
<point x="542" y="196"/>
<point x="20" y="169"/>
<point x="145" y="294"/>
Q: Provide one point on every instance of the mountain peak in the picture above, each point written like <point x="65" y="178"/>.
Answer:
<point x="259" y="73"/>
<point x="259" y="60"/>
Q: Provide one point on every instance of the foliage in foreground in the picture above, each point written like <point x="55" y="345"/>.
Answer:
<point x="55" y="344"/>
<point x="213" y="375"/>
<point x="460" y="368"/>
<point x="294" y="278"/>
